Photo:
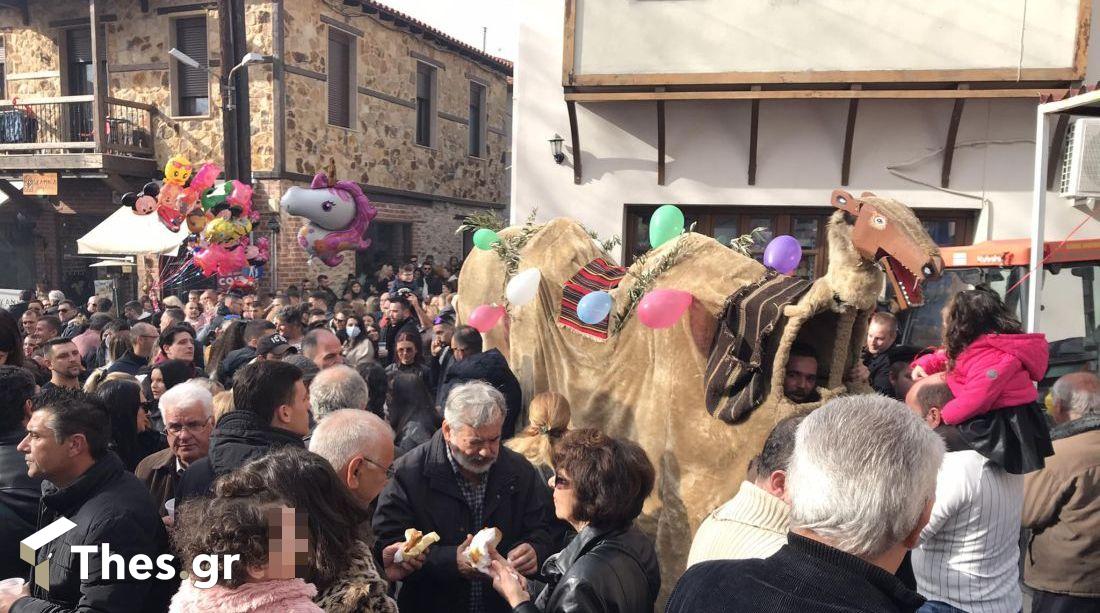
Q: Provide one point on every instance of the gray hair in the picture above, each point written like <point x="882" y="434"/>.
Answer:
<point x="337" y="387"/>
<point x="473" y="404"/>
<point x="186" y="394"/>
<point x="1077" y="393"/>
<point x="55" y="295"/>
<point x="862" y="471"/>
<point x="345" y="433"/>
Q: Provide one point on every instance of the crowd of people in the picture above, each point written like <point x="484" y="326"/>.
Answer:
<point x="304" y="435"/>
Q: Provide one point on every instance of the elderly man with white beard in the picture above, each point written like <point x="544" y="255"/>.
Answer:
<point x="459" y="482"/>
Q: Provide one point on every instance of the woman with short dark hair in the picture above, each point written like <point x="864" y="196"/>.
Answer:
<point x="599" y="485"/>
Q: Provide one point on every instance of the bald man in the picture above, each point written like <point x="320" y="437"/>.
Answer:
<point x="1062" y="503"/>
<point x="143" y="339"/>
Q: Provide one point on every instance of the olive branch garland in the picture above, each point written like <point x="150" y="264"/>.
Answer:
<point x="643" y="281"/>
<point x="508" y="247"/>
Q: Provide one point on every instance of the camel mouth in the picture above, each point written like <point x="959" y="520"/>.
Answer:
<point x="906" y="282"/>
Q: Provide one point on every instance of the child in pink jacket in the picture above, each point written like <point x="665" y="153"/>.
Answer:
<point x="992" y="368"/>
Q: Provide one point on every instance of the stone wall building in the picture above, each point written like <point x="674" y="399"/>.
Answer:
<point x="418" y="119"/>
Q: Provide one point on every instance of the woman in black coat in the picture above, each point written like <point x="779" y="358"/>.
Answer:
<point x="599" y="484"/>
<point x="410" y="411"/>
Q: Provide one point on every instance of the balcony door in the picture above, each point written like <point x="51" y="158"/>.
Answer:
<point x="79" y="77"/>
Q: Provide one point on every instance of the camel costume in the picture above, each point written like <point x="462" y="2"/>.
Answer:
<point x="650" y="386"/>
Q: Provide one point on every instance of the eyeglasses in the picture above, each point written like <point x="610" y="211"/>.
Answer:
<point x="390" y="472"/>
<point x="191" y="426"/>
<point x="561" y="483"/>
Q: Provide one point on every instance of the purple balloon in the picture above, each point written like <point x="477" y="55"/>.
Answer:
<point x="783" y="254"/>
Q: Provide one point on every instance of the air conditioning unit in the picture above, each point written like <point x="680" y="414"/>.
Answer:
<point x="1081" y="162"/>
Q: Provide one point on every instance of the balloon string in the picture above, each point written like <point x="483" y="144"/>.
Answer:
<point x="1049" y="255"/>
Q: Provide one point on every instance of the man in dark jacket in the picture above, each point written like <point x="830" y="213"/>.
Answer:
<point x="270" y="410"/>
<point x="459" y="482"/>
<point x="143" y="341"/>
<point x="881" y="350"/>
<point x="864" y="519"/>
<point x="18" y="492"/>
<point x="402" y="318"/>
<point x="237" y="358"/>
<point x="471" y="364"/>
<point x="108" y="508"/>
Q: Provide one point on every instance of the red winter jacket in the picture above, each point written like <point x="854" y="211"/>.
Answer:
<point x="995" y="371"/>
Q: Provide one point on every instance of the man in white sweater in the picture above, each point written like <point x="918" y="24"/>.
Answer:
<point x="968" y="558"/>
<point x="754" y="523"/>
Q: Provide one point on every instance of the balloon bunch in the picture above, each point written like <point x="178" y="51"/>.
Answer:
<point x="219" y="217"/>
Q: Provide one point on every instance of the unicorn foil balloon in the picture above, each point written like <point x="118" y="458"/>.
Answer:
<point x="338" y="213"/>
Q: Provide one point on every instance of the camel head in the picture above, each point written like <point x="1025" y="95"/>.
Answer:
<point x="887" y="232"/>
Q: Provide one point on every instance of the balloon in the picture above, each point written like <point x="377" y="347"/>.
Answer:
<point x="666" y="224"/>
<point x="218" y="259"/>
<point x="523" y="287"/>
<point x="338" y="213"/>
<point x="177" y="170"/>
<point x="783" y="254"/>
<point x="593" y="307"/>
<point x="485" y="238"/>
<point x="662" y="308"/>
<point x="485" y="317"/>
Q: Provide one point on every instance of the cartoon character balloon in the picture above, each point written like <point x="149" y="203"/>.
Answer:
<point x="152" y="199"/>
<point x="338" y="213"/>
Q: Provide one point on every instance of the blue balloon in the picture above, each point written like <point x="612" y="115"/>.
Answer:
<point x="594" y="307"/>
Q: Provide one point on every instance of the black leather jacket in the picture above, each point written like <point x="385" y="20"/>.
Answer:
<point x="18" y="503"/>
<point x="613" y="571"/>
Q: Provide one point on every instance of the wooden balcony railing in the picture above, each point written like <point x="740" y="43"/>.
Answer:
<point x="66" y="124"/>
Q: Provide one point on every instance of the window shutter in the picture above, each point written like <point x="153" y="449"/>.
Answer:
<point x="80" y="46"/>
<point x="476" y="112"/>
<point x="424" y="108"/>
<point x="191" y="39"/>
<point x="3" y="51"/>
<point x="339" y="96"/>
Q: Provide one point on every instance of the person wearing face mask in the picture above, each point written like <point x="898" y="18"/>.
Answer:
<point x="359" y="347"/>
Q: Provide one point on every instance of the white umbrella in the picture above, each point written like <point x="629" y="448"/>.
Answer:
<point x="126" y="233"/>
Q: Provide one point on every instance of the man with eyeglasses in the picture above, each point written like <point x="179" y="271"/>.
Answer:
<point x="188" y="412"/>
<point x="143" y="338"/>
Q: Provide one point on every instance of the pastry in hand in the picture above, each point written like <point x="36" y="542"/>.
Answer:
<point x="483" y="542"/>
<point x="416" y="543"/>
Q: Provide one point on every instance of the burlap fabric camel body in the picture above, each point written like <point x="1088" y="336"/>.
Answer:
<point x="648" y="385"/>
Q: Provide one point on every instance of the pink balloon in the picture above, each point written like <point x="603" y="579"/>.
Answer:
<point x="485" y="317"/>
<point x="662" y="308"/>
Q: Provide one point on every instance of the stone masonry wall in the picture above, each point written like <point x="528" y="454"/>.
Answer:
<point x="380" y="147"/>
<point x="139" y="70"/>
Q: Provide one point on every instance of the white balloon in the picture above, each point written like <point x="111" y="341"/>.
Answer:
<point x="523" y="287"/>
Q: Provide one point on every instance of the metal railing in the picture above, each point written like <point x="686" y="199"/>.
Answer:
<point x="66" y="124"/>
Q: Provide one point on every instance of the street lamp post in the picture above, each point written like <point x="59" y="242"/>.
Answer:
<point x="229" y="145"/>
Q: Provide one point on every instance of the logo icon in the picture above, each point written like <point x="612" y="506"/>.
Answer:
<point x="29" y="546"/>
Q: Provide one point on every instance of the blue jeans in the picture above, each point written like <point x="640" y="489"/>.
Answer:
<point x="933" y="606"/>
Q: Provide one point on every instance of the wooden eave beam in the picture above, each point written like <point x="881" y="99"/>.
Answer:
<point x="574" y="135"/>
<point x="754" y="125"/>
<point x="828" y="94"/>
<point x="849" y="135"/>
<point x="660" y="142"/>
<point x="952" y="137"/>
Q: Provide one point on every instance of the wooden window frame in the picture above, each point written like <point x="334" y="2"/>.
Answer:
<point x="478" y="124"/>
<point x="174" y="67"/>
<point x="432" y="103"/>
<point x="352" y="88"/>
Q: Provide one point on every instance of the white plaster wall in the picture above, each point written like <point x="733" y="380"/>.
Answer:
<point x="799" y="154"/>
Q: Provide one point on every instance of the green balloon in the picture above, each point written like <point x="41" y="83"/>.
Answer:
<point x="666" y="224"/>
<point x="485" y="238"/>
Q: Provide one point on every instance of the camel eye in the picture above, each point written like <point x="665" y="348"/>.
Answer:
<point x="327" y="205"/>
<point x="878" y="221"/>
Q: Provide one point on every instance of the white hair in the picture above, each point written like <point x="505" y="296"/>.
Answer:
<point x="1078" y="394"/>
<point x="337" y="387"/>
<point x="187" y="394"/>
<point x="862" y="471"/>
<point x="55" y="295"/>
<point x="473" y="404"/>
<point x="345" y="433"/>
